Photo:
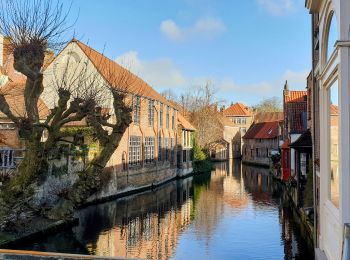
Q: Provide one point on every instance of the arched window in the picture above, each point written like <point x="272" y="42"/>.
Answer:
<point x="332" y="36"/>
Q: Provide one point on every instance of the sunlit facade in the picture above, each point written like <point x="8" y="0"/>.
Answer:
<point x="331" y="95"/>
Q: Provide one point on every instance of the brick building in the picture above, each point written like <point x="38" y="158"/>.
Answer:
<point x="157" y="141"/>
<point x="240" y="118"/>
<point x="294" y="125"/>
<point x="262" y="138"/>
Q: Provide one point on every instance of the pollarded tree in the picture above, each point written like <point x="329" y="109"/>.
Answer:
<point x="34" y="27"/>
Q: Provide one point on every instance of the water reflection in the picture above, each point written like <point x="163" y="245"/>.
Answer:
<point x="236" y="212"/>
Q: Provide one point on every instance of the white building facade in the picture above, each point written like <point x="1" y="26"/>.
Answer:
<point x="331" y="73"/>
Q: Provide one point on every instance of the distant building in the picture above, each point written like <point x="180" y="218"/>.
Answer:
<point x="227" y="146"/>
<point x="240" y="118"/>
<point x="185" y="146"/>
<point x="262" y="139"/>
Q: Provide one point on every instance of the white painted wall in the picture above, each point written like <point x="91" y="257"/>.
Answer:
<point x="332" y="219"/>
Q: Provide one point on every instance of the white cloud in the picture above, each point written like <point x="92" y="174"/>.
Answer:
<point x="278" y="7"/>
<point x="160" y="72"/>
<point x="297" y="78"/>
<point x="229" y="88"/>
<point x="163" y="74"/>
<point x="207" y="27"/>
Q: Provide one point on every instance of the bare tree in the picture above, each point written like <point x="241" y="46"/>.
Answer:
<point x="169" y="94"/>
<point x="273" y="104"/>
<point x="34" y="26"/>
<point x="204" y="114"/>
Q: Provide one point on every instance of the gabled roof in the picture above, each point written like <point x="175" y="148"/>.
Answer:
<point x="110" y="69"/>
<point x="268" y="117"/>
<point x="184" y="123"/>
<point x="9" y="138"/>
<point x="296" y="96"/>
<point x="14" y="95"/>
<point x="265" y="130"/>
<point x="237" y="109"/>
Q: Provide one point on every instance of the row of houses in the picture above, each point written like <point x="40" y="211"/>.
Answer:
<point x="248" y="135"/>
<point x="155" y="147"/>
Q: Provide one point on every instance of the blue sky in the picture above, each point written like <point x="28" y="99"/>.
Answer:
<point x="246" y="49"/>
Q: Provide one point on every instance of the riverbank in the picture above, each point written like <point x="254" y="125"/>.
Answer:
<point x="38" y="227"/>
<point x="25" y="255"/>
<point x="299" y="216"/>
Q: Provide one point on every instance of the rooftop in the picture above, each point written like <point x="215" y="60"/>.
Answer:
<point x="110" y="69"/>
<point x="264" y="130"/>
<point x="268" y="117"/>
<point x="238" y="109"/>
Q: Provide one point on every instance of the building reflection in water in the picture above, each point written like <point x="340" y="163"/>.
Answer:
<point x="142" y="226"/>
<point x="234" y="212"/>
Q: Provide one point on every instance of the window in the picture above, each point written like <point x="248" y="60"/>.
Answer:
<point x="331" y="37"/>
<point x="243" y="130"/>
<point x="184" y="155"/>
<point x="333" y="114"/>
<point x="136" y="109"/>
<point x="243" y="121"/>
<point x="7" y="158"/>
<point x="166" y="140"/>
<point x="150" y="112"/>
<point x="160" y="148"/>
<point x="149" y="150"/>
<point x="172" y="146"/>
<point x="173" y="120"/>
<point x="167" y="117"/>
<point x="7" y="126"/>
<point x="257" y="152"/>
<point x="134" y="150"/>
<point x="161" y="116"/>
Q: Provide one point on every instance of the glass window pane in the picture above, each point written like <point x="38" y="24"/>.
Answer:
<point x="332" y="37"/>
<point x="334" y="149"/>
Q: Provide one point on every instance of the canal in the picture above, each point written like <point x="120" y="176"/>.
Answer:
<point x="234" y="212"/>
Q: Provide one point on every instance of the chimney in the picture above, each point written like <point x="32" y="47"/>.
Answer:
<point x="286" y="89"/>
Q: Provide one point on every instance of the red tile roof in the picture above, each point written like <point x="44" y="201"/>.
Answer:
<point x="9" y="138"/>
<point x="14" y="95"/>
<point x="237" y="109"/>
<point x="268" y="117"/>
<point x="334" y="110"/>
<point x="185" y="124"/>
<point x="110" y="70"/>
<point x="296" y="96"/>
<point x="265" y="130"/>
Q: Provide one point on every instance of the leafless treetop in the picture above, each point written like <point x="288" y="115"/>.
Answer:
<point x="24" y="26"/>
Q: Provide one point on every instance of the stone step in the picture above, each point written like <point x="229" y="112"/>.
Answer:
<point x="35" y="255"/>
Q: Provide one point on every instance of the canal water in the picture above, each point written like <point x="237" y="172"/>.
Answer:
<point x="234" y="212"/>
